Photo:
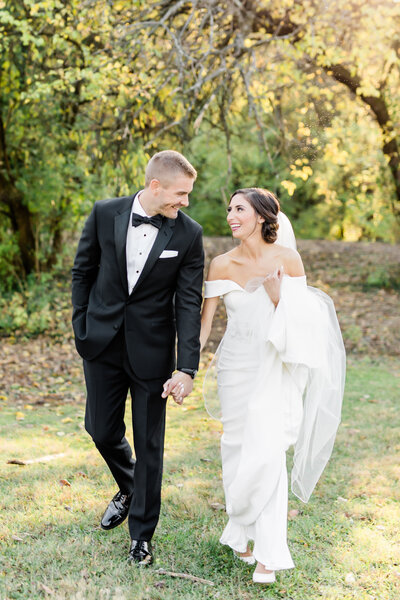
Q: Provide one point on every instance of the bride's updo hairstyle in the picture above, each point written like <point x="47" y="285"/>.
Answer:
<point x="267" y="206"/>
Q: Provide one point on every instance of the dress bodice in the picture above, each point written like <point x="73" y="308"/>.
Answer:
<point x="237" y="298"/>
<point x="239" y="302"/>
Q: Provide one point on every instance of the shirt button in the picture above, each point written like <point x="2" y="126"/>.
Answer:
<point x="116" y="326"/>
<point x="137" y="271"/>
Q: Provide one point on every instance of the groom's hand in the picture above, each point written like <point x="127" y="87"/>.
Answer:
<point x="179" y="386"/>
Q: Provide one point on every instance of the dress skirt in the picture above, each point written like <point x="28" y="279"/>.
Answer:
<point x="254" y="470"/>
<point x="276" y="380"/>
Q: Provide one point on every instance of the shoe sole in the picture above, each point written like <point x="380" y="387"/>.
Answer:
<point x="107" y="528"/>
<point x="261" y="578"/>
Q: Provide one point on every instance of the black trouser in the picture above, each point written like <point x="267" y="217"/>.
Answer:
<point x="108" y="379"/>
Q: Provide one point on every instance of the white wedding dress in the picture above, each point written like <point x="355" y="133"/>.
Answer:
<point x="276" y="380"/>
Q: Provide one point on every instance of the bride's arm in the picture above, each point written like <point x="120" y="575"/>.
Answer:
<point x="217" y="270"/>
<point x="207" y="315"/>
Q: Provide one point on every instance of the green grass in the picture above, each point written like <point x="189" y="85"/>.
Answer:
<point x="52" y="546"/>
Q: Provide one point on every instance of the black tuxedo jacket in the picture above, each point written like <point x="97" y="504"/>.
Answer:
<point x="164" y="304"/>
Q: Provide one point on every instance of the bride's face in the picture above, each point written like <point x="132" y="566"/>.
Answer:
<point x="242" y="218"/>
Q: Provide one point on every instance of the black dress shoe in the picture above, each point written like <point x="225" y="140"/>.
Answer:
<point x="140" y="553"/>
<point x="117" y="511"/>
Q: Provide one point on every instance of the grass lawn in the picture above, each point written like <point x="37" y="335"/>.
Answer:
<point x="345" y="542"/>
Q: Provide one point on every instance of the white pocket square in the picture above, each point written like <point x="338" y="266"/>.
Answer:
<point x="169" y="253"/>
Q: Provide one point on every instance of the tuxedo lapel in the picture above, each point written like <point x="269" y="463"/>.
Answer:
<point x="162" y="239"/>
<point x="121" y="223"/>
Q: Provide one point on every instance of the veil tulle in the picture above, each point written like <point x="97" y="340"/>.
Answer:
<point x="304" y="333"/>
<point x="285" y="232"/>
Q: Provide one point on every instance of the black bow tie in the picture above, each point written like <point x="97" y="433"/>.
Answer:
<point x="156" y="221"/>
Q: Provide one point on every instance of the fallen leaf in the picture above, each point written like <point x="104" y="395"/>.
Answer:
<point x="81" y="474"/>
<point x="217" y="506"/>
<point x="65" y="482"/>
<point x="19" y="416"/>
<point x="17" y="538"/>
<point x="67" y="420"/>
<point x="293" y="513"/>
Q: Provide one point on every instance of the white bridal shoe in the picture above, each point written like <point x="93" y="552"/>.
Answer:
<point x="264" y="577"/>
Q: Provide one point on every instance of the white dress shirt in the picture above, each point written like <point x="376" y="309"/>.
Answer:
<point x="139" y="241"/>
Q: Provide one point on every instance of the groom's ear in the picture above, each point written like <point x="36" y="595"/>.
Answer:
<point x="155" y="186"/>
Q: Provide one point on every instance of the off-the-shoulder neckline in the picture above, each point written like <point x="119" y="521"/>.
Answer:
<point x="244" y="288"/>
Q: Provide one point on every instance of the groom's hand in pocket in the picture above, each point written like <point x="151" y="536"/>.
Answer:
<point x="179" y="386"/>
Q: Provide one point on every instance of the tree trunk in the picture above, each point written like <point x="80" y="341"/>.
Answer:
<point x="380" y="111"/>
<point x="21" y="222"/>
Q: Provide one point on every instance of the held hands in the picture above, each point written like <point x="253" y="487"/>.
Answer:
<point x="179" y="386"/>
<point x="272" y="284"/>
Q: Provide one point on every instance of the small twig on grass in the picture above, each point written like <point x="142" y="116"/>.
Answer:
<point x="184" y="576"/>
<point x="46" y="589"/>
<point x="31" y="461"/>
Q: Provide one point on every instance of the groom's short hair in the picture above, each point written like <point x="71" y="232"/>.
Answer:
<point x="167" y="165"/>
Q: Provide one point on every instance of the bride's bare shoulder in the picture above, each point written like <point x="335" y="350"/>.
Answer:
<point x="219" y="266"/>
<point x="291" y="261"/>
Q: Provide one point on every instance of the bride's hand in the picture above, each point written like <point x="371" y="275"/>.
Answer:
<point x="272" y="284"/>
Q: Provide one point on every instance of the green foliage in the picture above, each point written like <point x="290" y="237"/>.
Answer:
<point x="62" y="147"/>
<point x="298" y="97"/>
<point x="42" y="304"/>
<point x="334" y="193"/>
<point x="382" y="276"/>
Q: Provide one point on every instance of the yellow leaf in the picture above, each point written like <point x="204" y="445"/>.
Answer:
<point x="289" y="186"/>
<point x="19" y="416"/>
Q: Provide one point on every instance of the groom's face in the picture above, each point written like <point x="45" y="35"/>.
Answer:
<point x="171" y="196"/>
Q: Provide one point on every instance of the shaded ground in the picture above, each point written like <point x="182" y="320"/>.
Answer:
<point x="45" y="371"/>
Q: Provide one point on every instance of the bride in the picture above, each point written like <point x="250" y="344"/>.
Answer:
<point x="279" y="378"/>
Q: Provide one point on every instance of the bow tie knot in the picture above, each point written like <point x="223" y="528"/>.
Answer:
<point x="137" y="220"/>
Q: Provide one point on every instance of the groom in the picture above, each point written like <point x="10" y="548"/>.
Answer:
<point x="136" y="287"/>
